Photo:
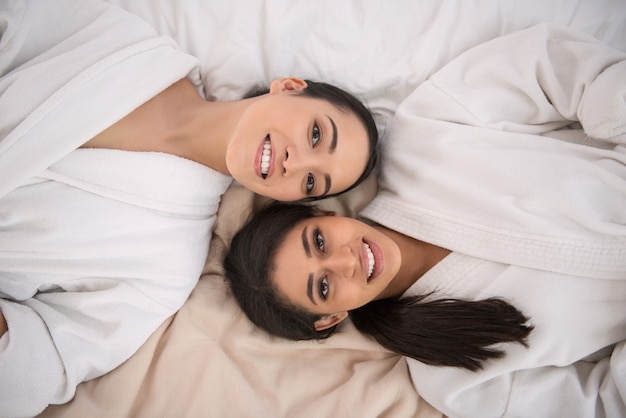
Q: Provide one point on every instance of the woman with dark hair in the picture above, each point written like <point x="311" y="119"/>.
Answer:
<point x="112" y="168"/>
<point x="300" y="140"/>
<point x="317" y="269"/>
<point x="298" y="272"/>
<point x="505" y="179"/>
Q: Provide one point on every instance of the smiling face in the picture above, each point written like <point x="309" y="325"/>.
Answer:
<point x="290" y="147"/>
<point x="331" y="264"/>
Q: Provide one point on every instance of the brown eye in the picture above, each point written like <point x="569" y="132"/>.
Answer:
<point x="315" y="135"/>
<point x="324" y="288"/>
<point x="319" y="240"/>
<point x="310" y="183"/>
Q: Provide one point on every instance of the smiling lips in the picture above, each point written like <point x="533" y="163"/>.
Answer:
<point x="374" y="257"/>
<point x="264" y="158"/>
<point x="370" y="260"/>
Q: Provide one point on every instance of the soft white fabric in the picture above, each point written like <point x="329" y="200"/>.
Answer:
<point x="487" y="159"/>
<point x="377" y="49"/>
<point x="53" y="56"/>
<point x="571" y="368"/>
<point x="97" y="247"/>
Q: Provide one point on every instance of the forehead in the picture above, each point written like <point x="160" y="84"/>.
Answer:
<point x="292" y="243"/>
<point x="289" y="269"/>
<point x="349" y="159"/>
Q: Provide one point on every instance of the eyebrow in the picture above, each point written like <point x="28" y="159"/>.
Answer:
<point x="333" y="143"/>
<point x="307" y="251"/>
<point x="327" y="186"/>
<point x="309" y="288"/>
<point x="305" y="243"/>
<point x="331" y="149"/>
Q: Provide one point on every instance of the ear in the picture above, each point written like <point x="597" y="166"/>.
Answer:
<point x="330" y="320"/>
<point x="287" y="84"/>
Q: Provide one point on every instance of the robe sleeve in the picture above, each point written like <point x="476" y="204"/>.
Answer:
<point x="584" y="388"/>
<point x="533" y="81"/>
<point x="58" y="339"/>
<point x="581" y="389"/>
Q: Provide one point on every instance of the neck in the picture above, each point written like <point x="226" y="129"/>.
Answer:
<point x="204" y="138"/>
<point x="417" y="258"/>
<point x="203" y="130"/>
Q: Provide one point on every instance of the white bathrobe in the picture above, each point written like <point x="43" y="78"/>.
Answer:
<point x="97" y="247"/>
<point x="488" y="159"/>
<point x="575" y="365"/>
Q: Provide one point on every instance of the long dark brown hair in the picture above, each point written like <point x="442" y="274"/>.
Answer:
<point x="441" y="332"/>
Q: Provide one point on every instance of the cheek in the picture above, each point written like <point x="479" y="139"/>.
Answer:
<point x="284" y="190"/>
<point x="354" y="297"/>
<point x="386" y="276"/>
<point x="235" y="159"/>
<point x="350" y="171"/>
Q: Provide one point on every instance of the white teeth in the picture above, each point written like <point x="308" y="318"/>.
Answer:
<point x="370" y="258"/>
<point x="265" y="158"/>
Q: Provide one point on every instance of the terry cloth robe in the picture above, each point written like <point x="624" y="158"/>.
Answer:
<point x="488" y="159"/>
<point x="97" y="247"/>
<point x="575" y="365"/>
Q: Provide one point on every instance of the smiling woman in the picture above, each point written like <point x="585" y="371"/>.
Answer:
<point x="301" y="140"/>
<point x="318" y="269"/>
<point x="312" y="140"/>
<point x="331" y="265"/>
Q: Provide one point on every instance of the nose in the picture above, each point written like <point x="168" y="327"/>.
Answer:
<point x="298" y="161"/>
<point x="292" y="163"/>
<point x="342" y="262"/>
